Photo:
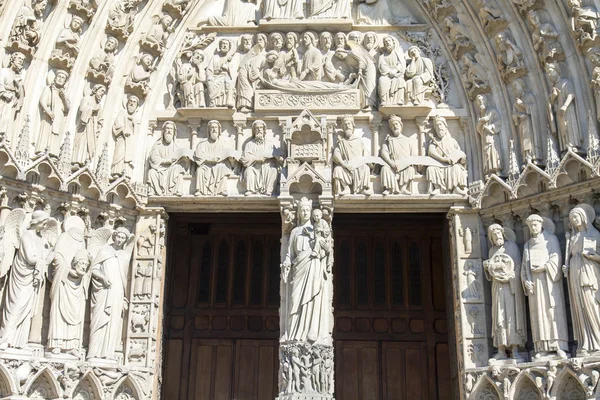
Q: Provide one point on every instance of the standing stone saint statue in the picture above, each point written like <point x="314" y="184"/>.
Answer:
<point x="54" y="107"/>
<point x="262" y="161"/>
<point x="123" y="131"/>
<point x="582" y="268"/>
<point x="221" y="87"/>
<point x="249" y="73"/>
<point x="11" y="91"/>
<point x="108" y="297"/>
<point x="304" y="271"/>
<point x="90" y="124"/>
<point x="542" y="282"/>
<point x="26" y="278"/>
<point x="283" y="9"/>
<point x="167" y="163"/>
<point x="392" y="66"/>
<point x="508" y="303"/>
<point x="488" y="127"/>
<point x="214" y="163"/>
<point x="351" y="174"/>
<point x="562" y="104"/>
<point x="397" y="177"/>
<point x="331" y="9"/>
<point x="420" y="76"/>
<point x="452" y="176"/>
<point x="523" y="116"/>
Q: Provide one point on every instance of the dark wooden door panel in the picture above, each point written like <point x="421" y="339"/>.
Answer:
<point x="357" y="370"/>
<point x="210" y="372"/>
<point x="256" y="369"/>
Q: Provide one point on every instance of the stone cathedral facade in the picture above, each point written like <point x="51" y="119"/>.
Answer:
<point x="299" y="199"/>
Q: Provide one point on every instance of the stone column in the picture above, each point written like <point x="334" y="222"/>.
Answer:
<point x="306" y="370"/>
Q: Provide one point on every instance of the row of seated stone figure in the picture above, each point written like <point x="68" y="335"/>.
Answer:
<point x="77" y="264"/>
<point x="261" y="161"/>
<point x="303" y="63"/>
<point x="538" y="275"/>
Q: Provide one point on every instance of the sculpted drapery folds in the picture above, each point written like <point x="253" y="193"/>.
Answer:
<point x="545" y="39"/>
<point x="510" y="57"/>
<point x="102" y="67"/>
<point x="582" y="269"/>
<point x="90" y="124"/>
<point x="395" y="177"/>
<point x="283" y="9"/>
<point x="191" y="80"/>
<point x="262" y="161"/>
<point x="54" y="107"/>
<point x="562" y="109"/>
<point x="349" y="174"/>
<point x="214" y="165"/>
<point x="305" y="272"/>
<point x="359" y="59"/>
<point x="523" y="113"/>
<point x="452" y="177"/>
<point x="594" y="58"/>
<point x="67" y="44"/>
<point x="167" y="163"/>
<point x="219" y="77"/>
<point x="503" y="269"/>
<point x="70" y="283"/>
<point x="249" y="73"/>
<point x="110" y="269"/>
<point x="420" y="76"/>
<point x="312" y="61"/>
<point x="488" y="127"/>
<point x="11" y="91"/>
<point x="330" y="9"/>
<point x="543" y="284"/>
<point x="123" y="132"/>
<point x="26" y="278"/>
<point x="392" y="66"/>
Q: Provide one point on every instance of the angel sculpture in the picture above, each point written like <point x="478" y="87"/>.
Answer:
<point x="109" y="279"/>
<point x="27" y="273"/>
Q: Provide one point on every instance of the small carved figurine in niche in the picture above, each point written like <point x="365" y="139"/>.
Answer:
<point x="392" y="66"/>
<point x="523" y="109"/>
<point x="582" y="268"/>
<point x="249" y="73"/>
<point x="167" y="163"/>
<point x="563" y="110"/>
<point x="491" y="15"/>
<point x="351" y="174"/>
<point x="215" y="161"/>
<point x="123" y="132"/>
<point x="503" y="269"/>
<point x="594" y="58"/>
<point x="488" y="127"/>
<point x="138" y="81"/>
<point x="510" y="57"/>
<point x="102" y="67"/>
<point x="26" y="276"/>
<point x="221" y="87"/>
<point x="142" y="288"/>
<point x="474" y="76"/>
<point x="121" y="18"/>
<point x="54" y="107"/>
<point x="396" y="176"/>
<point x="191" y="80"/>
<point x="452" y="177"/>
<point x="420" y="76"/>
<point x="473" y="290"/>
<point x="545" y="39"/>
<point x="67" y="45"/>
<point x="289" y="9"/>
<point x="262" y="161"/>
<point x="90" y="124"/>
<point x="12" y="91"/>
<point x="25" y="32"/>
<point x="458" y="36"/>
<point x="156" y="38"/>
<point x="365" y="72"/>
<point x="584" y="21"/>
<point x="235" y="13"/>
<point x="146" y="242"/>
<point x="543" y="284"/>
<point x="109" y="280"/>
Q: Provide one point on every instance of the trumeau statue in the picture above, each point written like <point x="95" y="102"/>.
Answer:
<point x="488" y="127"/>
<point x="110" y="270"/>
<point x="90" y="124"/>
<point x="451" y="177"/>
<point x="563" y="110"/>
<point x="523" y="112"/>
<point x="219" y="78"/>
<point x="123" y="131"/>
<point x="54" y="106"/>
<point x="508" y="303"/>
<point x="262" y="161"/>
<point x="167" y="163"/>
<point x="102" y="67"/>
<point x="67" y="45"/>
<point x="397" y="177"/>
<point x="26" y="276"/>
<point x="215" y="159"/>
<point x="392" y="67"/>
<point x="12" y="91"/>
<point x="542" y="282"/>
<point x="351" y="174"/>
<point x="582" y="269"/>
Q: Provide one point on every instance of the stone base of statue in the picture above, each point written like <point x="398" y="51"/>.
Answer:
<point x="548" y="357"/>
<point x="407" y="111"/>
<point x="61" y="357"/>
<point x="300" y="396"/>
<point x="506" y="361"/>
<point x="18" y="354"/>
<point x="105" y="362"/>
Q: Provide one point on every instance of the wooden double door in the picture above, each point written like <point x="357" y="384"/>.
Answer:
<point x="222" y="324"/>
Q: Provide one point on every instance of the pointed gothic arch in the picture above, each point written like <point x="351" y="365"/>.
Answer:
<point x="88" y="388"/>
<point x="43" y="385"/>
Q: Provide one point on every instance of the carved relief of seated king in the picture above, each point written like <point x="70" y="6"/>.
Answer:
<point x="396" y="177"/>
<point x="351" y="174"/>
<point x="168" y="163"/>
<point x="215" y="159"/>
<point x="452" y="176"/>
<point x="262" y="161"/>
